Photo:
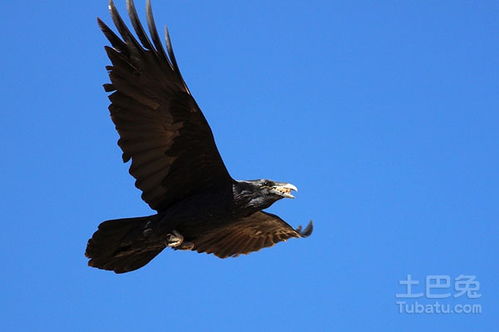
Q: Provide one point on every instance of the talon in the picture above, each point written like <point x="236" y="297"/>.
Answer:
<point x="174" y="240"/>
<point x="186" y="246"/>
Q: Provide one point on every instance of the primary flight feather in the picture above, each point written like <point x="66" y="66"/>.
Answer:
<point x="176" y="164"/>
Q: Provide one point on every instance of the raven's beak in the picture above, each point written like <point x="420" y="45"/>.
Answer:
<point x="284" y="189"/>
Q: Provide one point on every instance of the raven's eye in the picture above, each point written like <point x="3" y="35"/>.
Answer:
<point x="267" y="183"/>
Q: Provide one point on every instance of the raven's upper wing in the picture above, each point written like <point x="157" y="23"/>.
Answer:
<point x="162" y="130"/>
<point x="248" y="234"/>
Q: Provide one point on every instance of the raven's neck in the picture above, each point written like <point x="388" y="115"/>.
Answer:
<point x="247" y="197"/>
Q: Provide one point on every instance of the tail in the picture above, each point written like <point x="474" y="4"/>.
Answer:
<point x="122" y="245"/>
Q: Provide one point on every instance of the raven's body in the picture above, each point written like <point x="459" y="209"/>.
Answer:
<point x="176" y="164"/>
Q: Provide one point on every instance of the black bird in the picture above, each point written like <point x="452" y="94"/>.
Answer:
<point x="176" y="164"/>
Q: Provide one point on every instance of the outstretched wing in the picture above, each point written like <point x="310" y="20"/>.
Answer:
<point x="252" y="233"/>
<point x="162" y="130"/>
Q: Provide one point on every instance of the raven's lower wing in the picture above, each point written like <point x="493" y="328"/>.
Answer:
<point x="248" y="234"/>
<point x="162" y="130"/>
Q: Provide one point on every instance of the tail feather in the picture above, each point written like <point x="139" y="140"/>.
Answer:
<point x="121" y="246"/>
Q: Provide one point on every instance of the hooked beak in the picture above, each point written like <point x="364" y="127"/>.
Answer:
<point x="284" y="189"/>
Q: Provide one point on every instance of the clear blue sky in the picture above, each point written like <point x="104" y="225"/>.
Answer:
<point x="383" y="113"/>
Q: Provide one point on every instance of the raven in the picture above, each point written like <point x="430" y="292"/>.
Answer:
<point x="176" y="164"/>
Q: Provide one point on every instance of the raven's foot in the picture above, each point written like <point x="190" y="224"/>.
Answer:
<point x="174" y="239"/>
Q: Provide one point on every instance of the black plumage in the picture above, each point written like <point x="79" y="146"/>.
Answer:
<point x="176" y="164"/>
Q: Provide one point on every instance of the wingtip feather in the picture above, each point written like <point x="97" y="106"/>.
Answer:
<point x="307" y="231"/>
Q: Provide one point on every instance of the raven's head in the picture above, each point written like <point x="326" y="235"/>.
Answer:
<point x="263" y="193"/>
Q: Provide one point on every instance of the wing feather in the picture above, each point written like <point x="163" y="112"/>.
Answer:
<point x="248" y="234"/>
<point x="162" y="130"/>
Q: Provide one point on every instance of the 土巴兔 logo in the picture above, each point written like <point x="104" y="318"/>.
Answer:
<point x="439" y="294"/>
